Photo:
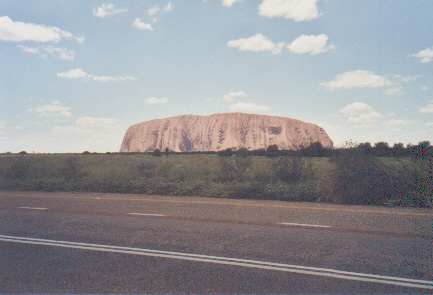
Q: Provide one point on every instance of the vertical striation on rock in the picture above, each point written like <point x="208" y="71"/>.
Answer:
<point x="221" y="131"/>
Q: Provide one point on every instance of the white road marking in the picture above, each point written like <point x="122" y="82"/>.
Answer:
<point x="413" y="283"/>
<point x="33" y="208"/>
<point x="146" y="214"/>
<point x="304" y="225"/>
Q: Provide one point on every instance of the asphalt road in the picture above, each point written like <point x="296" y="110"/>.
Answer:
<point x="107" y="243"/>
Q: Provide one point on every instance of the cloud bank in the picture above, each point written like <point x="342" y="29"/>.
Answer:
<point x="41" y="52"/>
<point x="138" y="24"/>
<point x="310" y="44"/>
<point x="154" y="100"/>
<point x="357" y="79"/>
<point x="249" y="107"/>
<point x="256" y="43"/>
<point x="107" y="10"/>
<point x="297" y="10"/>
<point x="16" y="31"/>
<point x="359" y="112"/>
<point x="55" y="109"/>
<point x="424" y="56"/>
<point x="80" y="74"/>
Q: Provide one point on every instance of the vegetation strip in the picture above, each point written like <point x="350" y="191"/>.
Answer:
<point x="413" y="283"/>
<point x="240" y="204"/>
<point x="350" y="176"/>
<point x="33" y="208"/>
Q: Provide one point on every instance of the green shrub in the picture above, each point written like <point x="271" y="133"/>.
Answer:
<point x="290" y="169"/>
<point x="357" y="178"/>
<point x="225" y="153"/>
<point x="18" y="170"/>
<point x="147" y="167"/>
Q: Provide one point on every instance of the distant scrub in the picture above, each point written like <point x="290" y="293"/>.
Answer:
<point x="356" y="174"/>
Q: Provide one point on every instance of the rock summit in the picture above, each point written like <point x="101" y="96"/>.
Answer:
<point x="221" y="131"/>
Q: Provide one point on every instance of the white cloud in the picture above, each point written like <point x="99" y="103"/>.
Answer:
<point x="79" y="74"/>
<point x="69" y="130"/>
<point x="424" y="56"/>
<point x="20" y="31"/>
<point x="394" y="91"/>
<point x="298" y="10"/>
<point x="2" y="124"/>
<point x="356" y="108"/>
<point x="108" y="79"/>
<point x="371" y="117"/>
<point x="28" y="49"/>
<point x="256" y="43"/>
<point x="168" y="7"/>
<point x="249" y="107"/>
<point x="310" y="44"/>
<point x="359" y="112"/>
<point x="138" y="24"/>
<point x="401" y="122"/>
<point x="19" y="128"/>
<point x="62" y="53"/>
<point x="73" y="74"/>
<point x="229" y="3"/>
<point x="428" y="109"/>
<point x="229" y="97"/>
<point x="90" y="122"/>
<point x="154" y="100"/>
<point x="55" y="109"/>
<point x="85" y="126"/>
<point x="106" y="10"/>
<point x="362" y="126"/>
<point x="424" y="88"/>
<point x="153" y="11"/>
<point x="429" y="124"/>
<point x="357" y="79"/>
<point x="410" y="78"/>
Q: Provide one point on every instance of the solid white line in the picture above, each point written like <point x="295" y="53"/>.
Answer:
<point x="230" y="261"/>
<point x="33" y="208"/>
<point x="304" y="225"/>
<point x="146" y="214"/>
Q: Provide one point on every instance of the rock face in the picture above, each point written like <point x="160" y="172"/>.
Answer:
<point x="222" y="131"/>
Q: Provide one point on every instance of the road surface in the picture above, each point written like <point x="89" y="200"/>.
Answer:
<point x="113" y="243"/>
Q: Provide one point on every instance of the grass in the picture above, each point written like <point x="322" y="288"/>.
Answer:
<point x="281" y="178"/>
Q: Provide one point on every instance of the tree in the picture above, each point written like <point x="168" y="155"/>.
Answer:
<point x="315" y="149"/>
<point x="157" y="153"/>
<point x="167" y="151"/>
<point x="421" y="151"/>
<point x="242" y="152"/>
<point x="365" y="147"/>
<point x="272" y="151"/>
<point x="225" y="153"/>
<point x="382" y="149"/>
<point x="398" y="150"/>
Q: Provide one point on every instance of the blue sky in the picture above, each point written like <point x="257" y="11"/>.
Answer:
<point x="74" y="75"/>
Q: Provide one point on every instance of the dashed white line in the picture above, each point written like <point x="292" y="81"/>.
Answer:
<point x="147" y="214"/>
<point x="304" y="225"/>
<point x="325" y="272"/>
<point x="33" y="208"/>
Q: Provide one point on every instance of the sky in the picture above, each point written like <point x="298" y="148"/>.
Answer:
<point x="74" y="75"/>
